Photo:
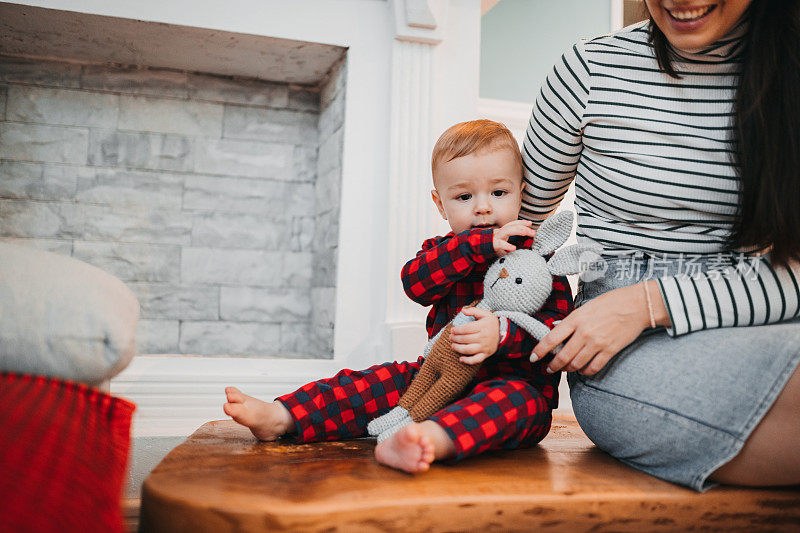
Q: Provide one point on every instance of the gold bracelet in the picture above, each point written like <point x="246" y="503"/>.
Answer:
<point x="649" y="305"/>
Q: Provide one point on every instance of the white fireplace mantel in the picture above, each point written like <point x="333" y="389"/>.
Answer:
<point x="412" y="70"/>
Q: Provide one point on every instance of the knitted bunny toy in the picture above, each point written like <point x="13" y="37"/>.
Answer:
<point x="515" y="286"/>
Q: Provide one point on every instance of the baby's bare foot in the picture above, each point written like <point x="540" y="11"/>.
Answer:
<point x="409" y="449"/>
<point x="267" y="421"/>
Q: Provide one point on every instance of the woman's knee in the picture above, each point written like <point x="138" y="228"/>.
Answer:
<point x="768" y="456"/>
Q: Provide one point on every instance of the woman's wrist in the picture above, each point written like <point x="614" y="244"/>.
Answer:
<point x="649" y="308"/>
<point x="660" y="315"/>
<point x="646" y="290"/>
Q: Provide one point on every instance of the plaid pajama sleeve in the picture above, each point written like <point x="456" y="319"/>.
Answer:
<point x="448" y="273"/>
<point x="443" y="261"/>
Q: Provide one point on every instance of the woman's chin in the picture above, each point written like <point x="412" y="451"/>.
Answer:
<point x="695" y="39"/>
<point x="691" y="41"/>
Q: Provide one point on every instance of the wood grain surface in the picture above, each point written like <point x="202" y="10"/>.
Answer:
<point x="221" y="479"/>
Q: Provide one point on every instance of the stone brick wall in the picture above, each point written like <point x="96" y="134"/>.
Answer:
<point x="216" y="200"/>
<point x="326" y="219"/>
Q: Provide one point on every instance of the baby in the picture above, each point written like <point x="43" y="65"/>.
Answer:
<point x="477" y="178"/>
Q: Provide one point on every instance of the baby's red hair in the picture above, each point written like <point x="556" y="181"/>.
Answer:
<point x="465" y="138"/>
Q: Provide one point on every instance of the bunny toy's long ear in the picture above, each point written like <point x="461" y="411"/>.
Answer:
<point x="575" y="259"/>
<point x="553" y="233"/>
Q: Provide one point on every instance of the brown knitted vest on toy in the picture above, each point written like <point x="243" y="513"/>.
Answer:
<point x="441" y="378"/>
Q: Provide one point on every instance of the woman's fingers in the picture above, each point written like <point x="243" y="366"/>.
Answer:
<point x="570" y="350"/>
<point x="581" y="359"/>
<point x="595" y="332"/>
<point x="556" y="336"/>
<point x="597" y="364"/>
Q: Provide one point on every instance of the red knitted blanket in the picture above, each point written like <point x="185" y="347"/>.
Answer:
<point x="63" y="455"/>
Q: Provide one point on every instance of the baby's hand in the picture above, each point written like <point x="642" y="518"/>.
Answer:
<point x="515" y="227"/>
<point x="478" y="339"/>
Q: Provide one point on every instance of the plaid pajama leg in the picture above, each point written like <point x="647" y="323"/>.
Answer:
<point x="341" y="407"/>
<point x="499" y="414"/>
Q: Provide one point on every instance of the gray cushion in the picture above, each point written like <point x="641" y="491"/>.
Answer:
<point x="61" y="317"/>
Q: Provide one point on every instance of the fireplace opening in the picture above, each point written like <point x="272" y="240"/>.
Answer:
<point x="203" y="168"/>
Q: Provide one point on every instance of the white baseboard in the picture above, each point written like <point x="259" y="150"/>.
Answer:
<point x="177" y="394"/>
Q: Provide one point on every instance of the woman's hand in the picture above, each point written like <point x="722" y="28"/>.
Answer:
<point x="599" y="329"/>
<point x="478" y="339"/>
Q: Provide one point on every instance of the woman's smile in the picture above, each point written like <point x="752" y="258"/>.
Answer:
<point x="691" y="25"/>
<point x="689" y="18"/>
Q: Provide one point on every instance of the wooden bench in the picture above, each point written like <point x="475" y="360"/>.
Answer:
<point x="221" y="479"/>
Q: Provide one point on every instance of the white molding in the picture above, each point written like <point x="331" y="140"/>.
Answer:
<point x="418" y="21"/>
<point x="412" y="217"/>
<point x="418" y="14"/>
<point x="514" y="115"/>
<point x="617" y="14"/>
<point x="411" y="214"/>
<point x="177" y="394"/>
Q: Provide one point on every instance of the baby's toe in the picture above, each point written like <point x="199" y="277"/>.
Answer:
<point x="234" y="410"/>
<point x="234" y="394"/>
<point x="426" y="448"/>
<point x="411" y="435"/>
<point x="428" y="455"/>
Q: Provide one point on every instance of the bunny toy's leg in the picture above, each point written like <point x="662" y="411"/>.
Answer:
<point x="422" y="382"/>
<point x="389" y="420"/>
<point x="395" y="427"/>
<point x="446" y="388"/>
<point x="443" y="392"/>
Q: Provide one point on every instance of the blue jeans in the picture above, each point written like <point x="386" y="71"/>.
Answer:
<point x="678" y="408"/>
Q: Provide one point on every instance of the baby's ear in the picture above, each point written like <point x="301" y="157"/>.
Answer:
<point x="438" y="202"/>
<point x="574" y="259"/>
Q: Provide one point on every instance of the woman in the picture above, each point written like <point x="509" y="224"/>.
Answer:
<point x="681" y="136"/>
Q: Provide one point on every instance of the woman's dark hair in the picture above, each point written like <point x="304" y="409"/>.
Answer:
<point x="766" y="140"/>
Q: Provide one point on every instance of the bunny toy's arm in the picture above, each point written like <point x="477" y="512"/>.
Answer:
<point x="458" y="320"/>
<point x="537" y="329"/>
<point x="526" y="322"/>
<point x="431" y="342"/>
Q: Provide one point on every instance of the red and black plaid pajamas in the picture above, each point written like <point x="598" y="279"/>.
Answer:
<point x="508" y="404"/>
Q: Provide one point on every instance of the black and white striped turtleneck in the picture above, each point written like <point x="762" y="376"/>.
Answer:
<point x="651" y="159"/>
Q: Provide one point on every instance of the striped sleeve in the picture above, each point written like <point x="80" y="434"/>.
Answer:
<point x="751" y="293"/>
<point x="552" y="144"/>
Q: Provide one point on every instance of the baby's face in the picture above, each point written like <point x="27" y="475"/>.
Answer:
<point x="481" y="189"/>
